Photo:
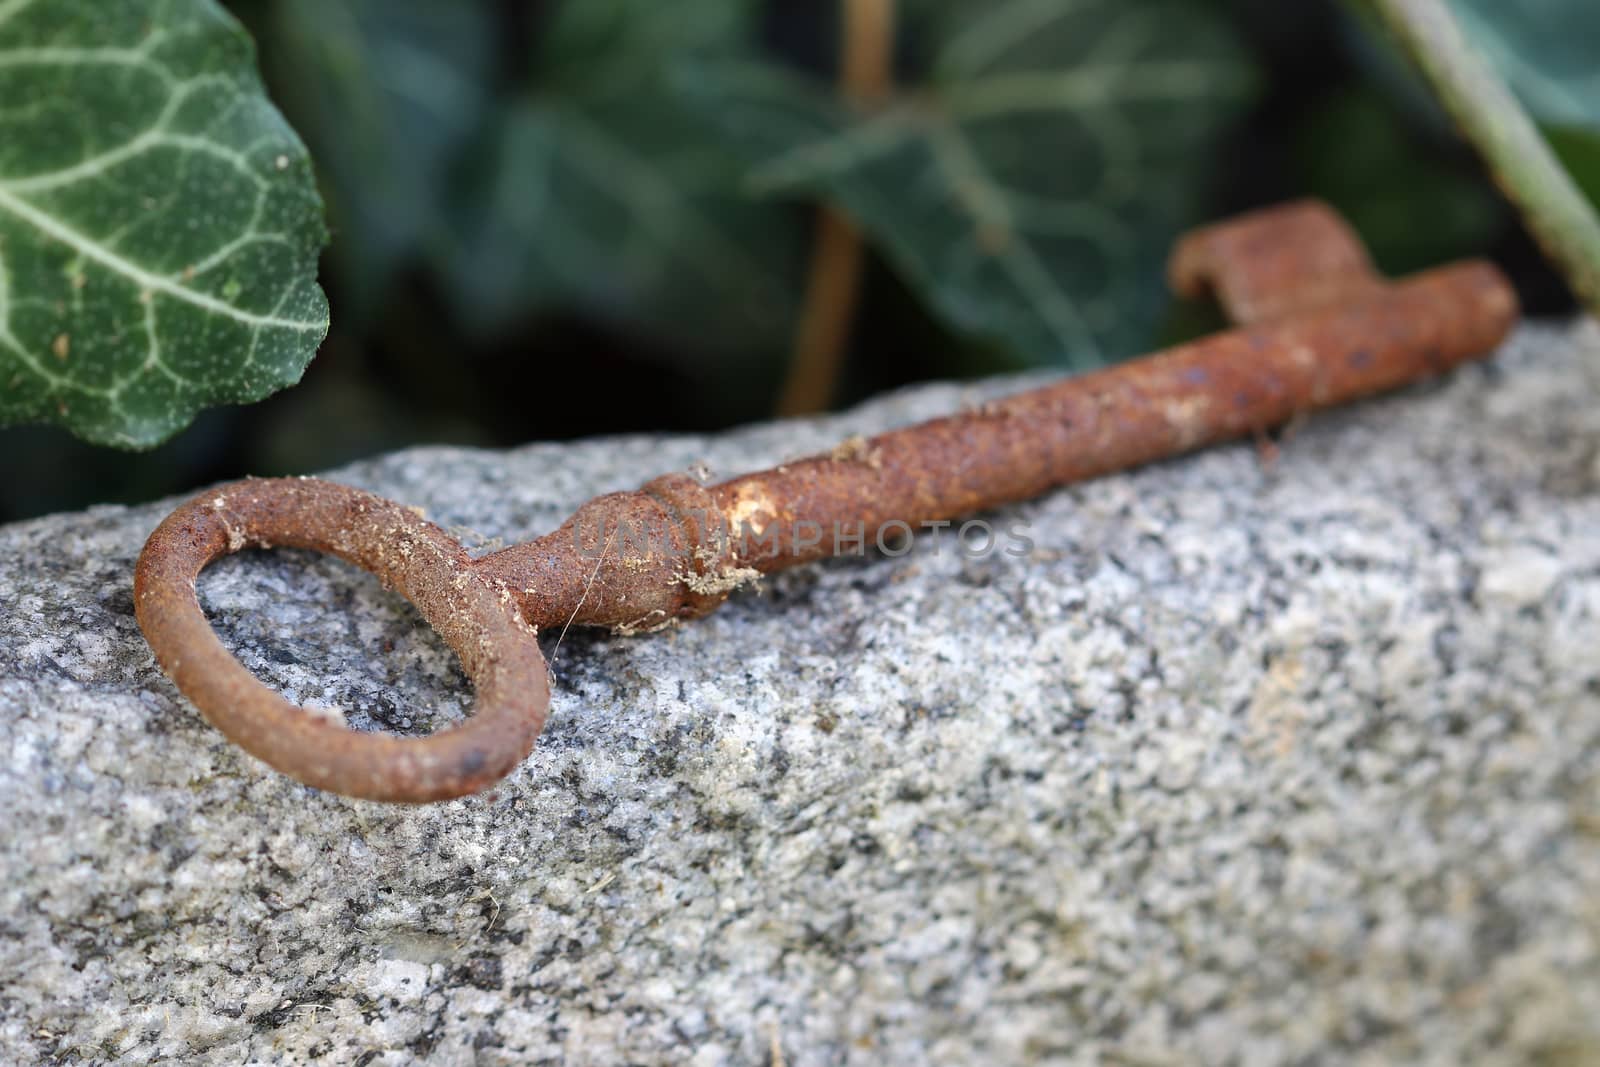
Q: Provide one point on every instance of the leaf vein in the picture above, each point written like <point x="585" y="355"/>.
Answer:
<point x="109" y="259"/>
<point x="97" y="166"/>
<point x="637" y="185"/>
<point x="998" y="30"/>
<point x="975" y="188"/>
<point x="1093" y="86"/>
<point x="12" y="8"/>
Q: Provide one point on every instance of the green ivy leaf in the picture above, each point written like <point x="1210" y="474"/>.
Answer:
<point x="158" y="222"/>
<point x="1546" y="51"/>
<point x="1030" y="188"/>
<point x="601" y="190"/>
<point x="387" y="93"/>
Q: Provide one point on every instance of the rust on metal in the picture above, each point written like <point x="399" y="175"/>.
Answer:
<point x="497" y="646"/>
<point x="1318" y="328"/>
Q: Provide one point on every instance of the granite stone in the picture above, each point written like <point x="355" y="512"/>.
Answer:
<point x="1271" y="755"/>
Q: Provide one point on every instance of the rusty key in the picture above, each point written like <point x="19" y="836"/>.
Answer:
<point x="1316" y="327"/>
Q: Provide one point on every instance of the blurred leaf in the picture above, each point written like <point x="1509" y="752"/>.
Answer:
<point x="158" y="222"/>
<point x="600" y="189"/>
<point x="387" y="92"/>
<point x="613" y="46"/>
<point x="1564" y="98"/>
<point x="1462" y="73"/>
<point x="1548" y="50"/>
<point x="1354" y="151"/>
<point x="1031" y="188"/>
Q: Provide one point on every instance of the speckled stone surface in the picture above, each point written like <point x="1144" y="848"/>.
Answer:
<point x="1242" y="763"/>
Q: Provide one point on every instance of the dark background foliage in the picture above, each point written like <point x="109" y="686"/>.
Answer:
<point x="415" y="356"/>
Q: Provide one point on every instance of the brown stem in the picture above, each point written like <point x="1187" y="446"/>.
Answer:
<point x="833" y="286"/>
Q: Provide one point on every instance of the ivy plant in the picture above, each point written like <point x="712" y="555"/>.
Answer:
<point x="1545" y="52"/>
<point x="650" y="165"/>
<point x="1030" y="183"/>
<point x="159" y="224"/>
<point x="598" y="187"/>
